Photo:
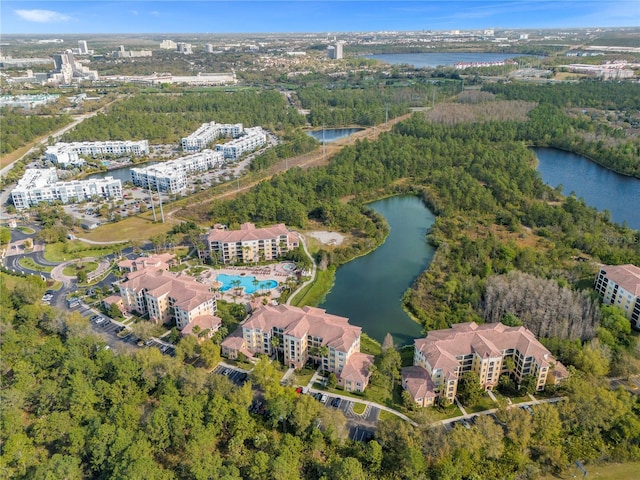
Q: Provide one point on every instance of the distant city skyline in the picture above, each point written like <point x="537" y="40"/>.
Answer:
<point x="335" y="16"/>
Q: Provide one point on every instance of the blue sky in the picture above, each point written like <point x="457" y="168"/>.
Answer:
<point x="210" y="16"/>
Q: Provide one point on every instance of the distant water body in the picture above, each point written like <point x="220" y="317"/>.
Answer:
<point x="436" y="59"/>
<point x="599" y="187"/>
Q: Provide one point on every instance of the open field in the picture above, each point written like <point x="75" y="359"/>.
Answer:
<point x="613" y="471"/>
<point x="132" y="228"/>
<point x="60" y="252"/>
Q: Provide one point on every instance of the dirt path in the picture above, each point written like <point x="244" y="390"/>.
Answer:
<point x="312" y="159"/>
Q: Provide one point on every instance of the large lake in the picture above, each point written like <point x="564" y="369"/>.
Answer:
<point x="599" y="187"/>
<point x="369" y="289"/>
<point x="436" y="59"/>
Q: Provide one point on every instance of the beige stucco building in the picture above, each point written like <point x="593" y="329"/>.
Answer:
<point x="297" y="334"/>
<point x="166" y="296"/>
<point x="249" y="244"/>
<point x="441" y="357"/>
<point x="619" y="285"/>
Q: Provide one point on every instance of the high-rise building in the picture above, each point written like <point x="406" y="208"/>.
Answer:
<point x="339" y="53"/>
<point x="184" y="48"/>
<point x="208" y="48"/>
<point x="335" y="52"/>
<point x="82" y="47"/>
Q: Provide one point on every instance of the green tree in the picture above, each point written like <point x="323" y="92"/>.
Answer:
<point x="469" y="389"/>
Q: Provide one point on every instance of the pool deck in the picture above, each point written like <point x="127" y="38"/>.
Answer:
<point x="276" y="271"/>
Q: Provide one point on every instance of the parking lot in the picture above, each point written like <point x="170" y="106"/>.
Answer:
<point x="367" y="419"/>
<point x="238" y="377"/>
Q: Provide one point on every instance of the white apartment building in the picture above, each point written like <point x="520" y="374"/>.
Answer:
<point x="166" y="296"/>
<point x="168" y="45"/>
<point x="42" y="185"/>
<point x="184" y="48"/>
<point x="63" y="153"/>
<point x="249" y="244"/>
<point x="253" y="138"/>
<point x="304" y="333"/>
<point x="66" y="69"/>
<point x="171" y="176"/>
<point x="207" y="133"/>
<point x="619" y="285"/>
<point x="441" y="357"/>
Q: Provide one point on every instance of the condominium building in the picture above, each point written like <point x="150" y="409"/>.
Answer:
<point x="166" y="296"/>
<point x="249" y="244"/>
<point x="42" y="185"/>
<point x="184" y="48"/>
<point x="66" y="69"/>
<point x="171" y="176"/>
<point x="69" y="153"/>
<point x="207" y="133"/>
<point x="619" y="285"/>
<point x="297" y="334"/>
<point x="253" y="138"/>
<point x="441" y="357"/>
<point x="335" y="52"/>
<point x="122" y="53"/>
<point x="160" y="261"/>
<point x="168" y="45"/>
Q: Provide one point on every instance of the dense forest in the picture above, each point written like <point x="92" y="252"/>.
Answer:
<point x="19" y="129"/>
<point x="552" y="126"/>
<point x="166" y="118"/>
<point x="74" y="409"/>
<point x="360" y="106"/>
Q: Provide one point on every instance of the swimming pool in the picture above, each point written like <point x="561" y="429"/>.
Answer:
<point x="246" y="282"/>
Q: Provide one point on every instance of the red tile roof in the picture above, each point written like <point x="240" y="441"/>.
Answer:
<point x="186" y="292"/>
<point x="441" y="347"/>
<point x="248" y="231"/>
<point x="627" y="276"/>
<point x="418" y="382"/>
<point x="205" y="322"/>
<point x="335" y="331"/>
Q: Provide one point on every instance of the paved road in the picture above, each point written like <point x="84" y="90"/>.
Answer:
<point x="313" y="271"/>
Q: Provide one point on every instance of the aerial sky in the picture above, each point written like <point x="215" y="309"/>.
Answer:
<point x="212" y="16"/>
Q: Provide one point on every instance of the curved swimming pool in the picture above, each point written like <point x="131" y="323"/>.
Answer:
<point x="248" y="282"/>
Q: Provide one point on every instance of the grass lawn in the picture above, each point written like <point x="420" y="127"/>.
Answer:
<point x="359" y="408"/>
<point x="72" y="270"/>
<point x="315" y="293"/>
<point x="131" y="228"/>
<point x="435" y="414"/>
<point x="303" y="377"/>
<point x="612" y="471"/>
<point x="27" y="262"/>
<point x="55" y="252"/>
<point x="10" y="281"/>
<point x="27" y="230"/>
<point x="369" y="345"/>
<point x="485" y="403"/>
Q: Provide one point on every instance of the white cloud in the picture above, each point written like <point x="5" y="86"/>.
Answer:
<point x="42" y="16"/>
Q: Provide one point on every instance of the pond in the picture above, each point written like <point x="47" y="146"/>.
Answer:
<point x="332" y="134"/>
<point x="369" y="289"/>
